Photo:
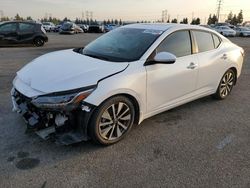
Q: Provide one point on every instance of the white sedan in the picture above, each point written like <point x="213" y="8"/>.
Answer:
<point x="242" y="31"/>
<point x="122" y="78"/>
<point x="226" y="31"/>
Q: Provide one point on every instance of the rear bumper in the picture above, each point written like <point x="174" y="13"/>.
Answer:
<point x="65" y="127"/>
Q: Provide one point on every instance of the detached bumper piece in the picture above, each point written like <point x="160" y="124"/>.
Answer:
<point x="64" y="127"/>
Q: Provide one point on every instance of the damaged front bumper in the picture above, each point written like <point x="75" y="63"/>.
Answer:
<point x="65" y="126"/>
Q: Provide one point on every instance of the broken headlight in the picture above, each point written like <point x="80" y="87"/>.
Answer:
<point x="62" y="99"/>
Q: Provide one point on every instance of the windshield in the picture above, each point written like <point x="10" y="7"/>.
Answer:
<point x="67" y="25"/>
<point x="122" y="44"/>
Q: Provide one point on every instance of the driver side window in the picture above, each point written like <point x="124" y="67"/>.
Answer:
<point x="177" y="43"/>
<point x="10" y="27"/>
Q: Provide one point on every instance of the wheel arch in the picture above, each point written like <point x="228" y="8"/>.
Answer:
<point x="135" y="102"/>
<point x="234" y="69"/>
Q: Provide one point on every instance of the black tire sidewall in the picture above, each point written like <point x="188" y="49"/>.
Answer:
<point x="94" y="123"/>
<point x="36" y="42"/>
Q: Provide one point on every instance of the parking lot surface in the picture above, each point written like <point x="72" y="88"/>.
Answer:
<point x="205" y="143"/>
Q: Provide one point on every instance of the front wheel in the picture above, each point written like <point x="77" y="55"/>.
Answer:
<point x="112" y="120"/>
<point x="226" y="85"/>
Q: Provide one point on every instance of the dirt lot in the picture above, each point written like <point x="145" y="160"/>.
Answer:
<point x="201" y="144"/>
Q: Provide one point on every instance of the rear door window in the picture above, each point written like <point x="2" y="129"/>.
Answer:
<point x="204" y="41"/>
<point x="26" y="28"/>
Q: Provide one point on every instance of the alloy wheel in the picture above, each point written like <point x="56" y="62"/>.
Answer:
<point x="115" y="121"/>
<point x="227" y="84"/>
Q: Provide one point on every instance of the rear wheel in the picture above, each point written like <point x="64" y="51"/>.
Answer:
<point x="112" y="120"/>
<point x="226" y="85"/>
<point x="39" y="41"/>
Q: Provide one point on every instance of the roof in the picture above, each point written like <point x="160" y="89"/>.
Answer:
<point x="164" y="26"/>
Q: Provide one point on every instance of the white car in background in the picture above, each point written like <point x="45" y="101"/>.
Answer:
<point x="242" y="31"/>
<point x="225" y="31"/>
<point x="48" y="26"/>
<point x="122" y="78"/>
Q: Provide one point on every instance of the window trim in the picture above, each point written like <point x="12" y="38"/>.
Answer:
<point x="191" y="42"/>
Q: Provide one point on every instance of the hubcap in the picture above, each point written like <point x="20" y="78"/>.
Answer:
<point x="115" y="121"/>
<point x="227" y="84"/>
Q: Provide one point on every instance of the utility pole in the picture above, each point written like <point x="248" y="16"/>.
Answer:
<point x="219" y="5"/>
<point x="164" y="16"/>
<point x="1" y="15"/>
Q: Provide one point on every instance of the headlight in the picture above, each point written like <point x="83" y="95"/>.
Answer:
<point x="61" y="100"/>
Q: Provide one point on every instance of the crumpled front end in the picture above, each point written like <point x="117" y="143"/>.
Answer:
<point x="66" y="125"/>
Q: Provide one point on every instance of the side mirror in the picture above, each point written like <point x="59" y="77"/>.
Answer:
<point x="163" y="58"/>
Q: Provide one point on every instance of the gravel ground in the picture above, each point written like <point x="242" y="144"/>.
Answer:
<point x="204" y="143"/>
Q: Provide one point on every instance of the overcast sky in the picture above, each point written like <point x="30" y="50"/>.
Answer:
<point x="122" y="9"/>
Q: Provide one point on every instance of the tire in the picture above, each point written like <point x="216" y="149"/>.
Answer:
<point x="38" y="42"/>
<point x="112" y="121"/>
<point x="241" y="35"/>
<point x="226" y="85"/>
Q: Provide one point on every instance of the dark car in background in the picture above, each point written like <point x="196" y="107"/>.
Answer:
<point x="70" y="28"/>
<point x="83" y="27"/>
<point x="110" y="27"/>
<point x="20" y="33"/>
<point x="95" y="29"/>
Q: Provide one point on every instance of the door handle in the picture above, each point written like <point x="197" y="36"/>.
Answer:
<point x="192" y="66"/>
<point x="224" y="56"/>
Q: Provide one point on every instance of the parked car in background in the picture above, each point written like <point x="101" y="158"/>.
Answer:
<point x="122" y="78"/>
<point x="110" y="27"/>
<point x="207" y="26"/>
<point x="83" y="27"/>
<point x="57" y="28"/>
<point x="96" y="28"/>
<point x="19" y="33"/>
<point x="225" y="24"/>
<point x="225" y="31"/>
<point x="70" y="28"/>
<point x="242" y="31"/>
<point x="48" y="26"/>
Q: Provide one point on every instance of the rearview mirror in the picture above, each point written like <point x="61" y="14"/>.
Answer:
<point x="162" y="58"/>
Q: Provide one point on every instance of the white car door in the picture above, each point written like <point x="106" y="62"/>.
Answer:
<point x="212" y="61"/>
<point x="168" y="83"/>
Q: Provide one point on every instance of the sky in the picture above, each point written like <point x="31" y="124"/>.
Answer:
<point x="127" y="10"/>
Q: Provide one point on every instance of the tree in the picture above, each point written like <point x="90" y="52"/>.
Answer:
<point x="174" y="20"/>
<point x="229" y="17"/>
<point x="29" y="18"/>
<point x="120" y="22"/>
<point x="212" y="19"/>
<point x="5" y="19"/>
<point x="240" y="17"/>
<point x="17" y="17"/>
<point x="184" y="21"/>
<point x="196" y="21"/>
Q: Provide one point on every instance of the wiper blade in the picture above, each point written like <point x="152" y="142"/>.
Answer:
<point x="97" y="57"/>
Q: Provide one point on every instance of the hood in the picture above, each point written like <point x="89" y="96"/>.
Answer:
<point x="66" y="70"/>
